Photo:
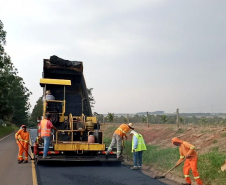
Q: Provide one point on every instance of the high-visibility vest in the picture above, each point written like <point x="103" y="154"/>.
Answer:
<point x="122" y="130"/>
<point x="44" y="130"/>
<point x="141" y="144"/>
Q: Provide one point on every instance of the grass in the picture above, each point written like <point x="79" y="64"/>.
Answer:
<point x="5" y="131"/>
<point x="215" y="141"/>
<point x="209" y="168"/>
<point x="180" y="131"/>
<point x="224" y="134"/>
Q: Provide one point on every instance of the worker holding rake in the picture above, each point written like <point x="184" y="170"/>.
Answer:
<point x="188" y="151"/>
<point x="22" y="137"/>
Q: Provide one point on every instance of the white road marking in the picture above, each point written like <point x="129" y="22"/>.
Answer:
<point x="7" y="136"/>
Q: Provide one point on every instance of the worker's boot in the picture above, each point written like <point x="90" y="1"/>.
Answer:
<point x="134" y="168"/>
<point x="25" y="161"/>
<point x="46" y="157"/>
<point x="120" y="158"/>
<point x="20" y="161"/>
<point x="185" y="184"/>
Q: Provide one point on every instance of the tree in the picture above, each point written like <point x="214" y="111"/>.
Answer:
<point x="37" y="110"/>
<point x="91" y="98"/>
<point x="110" y="116"/>
<point x="164" y="118"/>
<point x="14" y="96"/>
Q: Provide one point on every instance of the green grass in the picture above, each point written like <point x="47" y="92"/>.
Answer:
<point x="224" y="134"/>
<point x="155" y="156"/>
<point x="180" y="131"/>
<point x="209" y="168"/>
<point x="215" y="141"/>
<point x="5" y="131"/>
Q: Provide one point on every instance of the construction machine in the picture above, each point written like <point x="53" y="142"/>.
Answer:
<point x="78" y="137"/>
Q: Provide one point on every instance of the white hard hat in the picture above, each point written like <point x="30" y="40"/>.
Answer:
<point x="130" y="125"/>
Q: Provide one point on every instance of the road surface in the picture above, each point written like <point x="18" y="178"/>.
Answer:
<point x="79" y="173"/>
<point x="12" y="173"/>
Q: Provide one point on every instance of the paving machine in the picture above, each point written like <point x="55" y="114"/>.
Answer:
<point x="78" y="137"/>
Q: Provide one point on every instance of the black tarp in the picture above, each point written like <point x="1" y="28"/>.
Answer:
<point x="55" y="60"/>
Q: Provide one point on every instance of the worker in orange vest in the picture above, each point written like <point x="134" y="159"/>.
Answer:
<point x="46" y="126"/>
<point x="22" y="137"/>
<point x="118" y="136"/>
<point x="187" y="150"/>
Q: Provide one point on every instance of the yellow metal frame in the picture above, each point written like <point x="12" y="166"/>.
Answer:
<point x="44" y="81"/>
<point x="76" y="145"/>
<point x="93" y="119"/>
<point x="60" y="114"/>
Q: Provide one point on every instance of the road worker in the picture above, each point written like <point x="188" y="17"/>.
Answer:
<point x="48" y="96"/>
<point x="187" y="150"/>
<point x="118" y="136"/>
<point x="138" y="146"/>
<point x="17" y="142"/>
<point x="22" y="137"/>
<point x="46" y="126"/>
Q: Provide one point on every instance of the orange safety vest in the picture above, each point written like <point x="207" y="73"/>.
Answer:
<point x="122" y="130"/>
<point x="44" y="130"/>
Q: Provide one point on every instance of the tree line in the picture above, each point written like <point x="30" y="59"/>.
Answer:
<point x="14" y="96"/>
<point x="161" y="119"/>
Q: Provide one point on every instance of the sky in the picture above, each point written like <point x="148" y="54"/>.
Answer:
<point x="138" y="56"/>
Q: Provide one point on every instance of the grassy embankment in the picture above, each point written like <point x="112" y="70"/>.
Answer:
<point x="7" y="130"/>
<point x="164" y="159"/>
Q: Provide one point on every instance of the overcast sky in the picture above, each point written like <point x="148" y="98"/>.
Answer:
<point x="138" y="55"/>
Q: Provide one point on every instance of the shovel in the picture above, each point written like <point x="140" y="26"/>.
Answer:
<point x="164" y="175"/>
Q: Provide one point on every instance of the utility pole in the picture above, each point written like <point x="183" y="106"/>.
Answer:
<point x="128" y="118"/>
<point x="178" y="120"/>
<point x="103" y="120"/>
<point x="147" y="119"/>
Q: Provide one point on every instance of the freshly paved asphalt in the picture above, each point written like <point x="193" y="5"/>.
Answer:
<point x="12" y="173"/>
<point x="91" y="174"/>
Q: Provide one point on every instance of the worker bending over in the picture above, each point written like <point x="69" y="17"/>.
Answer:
<point x="22" y="137"/>
<point x="138" y="146"/>
<point x="118" y="136"/>
<point x="187" y="150"/>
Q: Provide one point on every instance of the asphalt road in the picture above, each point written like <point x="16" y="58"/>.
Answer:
<point x="91" y="174"/>
<point x="79" y="173"/>
<point x="12" y="173"/>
